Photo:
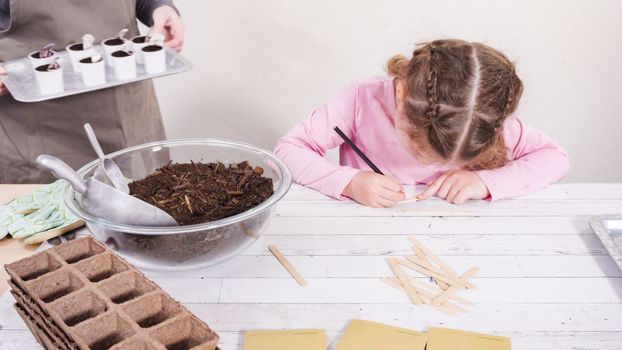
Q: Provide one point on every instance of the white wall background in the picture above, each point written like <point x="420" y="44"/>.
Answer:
<point x="260" y="66"/>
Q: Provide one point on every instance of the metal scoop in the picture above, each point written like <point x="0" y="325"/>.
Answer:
<point x="105" y="201"/>
<point x="107" y="165"/>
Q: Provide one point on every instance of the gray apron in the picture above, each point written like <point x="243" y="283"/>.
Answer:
<point x="121" y="116"/>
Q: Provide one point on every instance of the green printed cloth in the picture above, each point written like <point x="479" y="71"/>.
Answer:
<point x="36" y="212"/>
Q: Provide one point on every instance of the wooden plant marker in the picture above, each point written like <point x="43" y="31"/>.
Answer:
<point x="459" y="281"/>
<point x="436" y="290"/>
<point x="434" y="258"/>
<point x="443" y="296"/>
<point x="287" y="265"/>
<point x="427" y="264"/>
<point x="448" y="308"/>
<point x="433" y="274"/>
<point x="411" y="291"/>
<point x="439" y="295"/>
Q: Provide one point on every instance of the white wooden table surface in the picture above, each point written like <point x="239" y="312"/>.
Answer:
<point x="545" y="281"/>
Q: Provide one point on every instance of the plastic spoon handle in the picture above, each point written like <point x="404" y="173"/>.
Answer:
<point x="63" y="171"/>
<point x="93" y="139"/>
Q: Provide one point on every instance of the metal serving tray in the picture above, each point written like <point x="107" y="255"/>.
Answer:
<point x="609" y="229"/>
<point x="21" y="83"/>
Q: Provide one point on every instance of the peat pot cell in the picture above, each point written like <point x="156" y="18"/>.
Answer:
<point x="79" y="307"/>
<point x="104" y="332"/>
<point x="137" y="342"/>
<point x="79" y="249"/>
<point x="55" y="285"/>
<point x="185" y="333"/>
<point x="125" y="287"/>
<point x="101" y="267"/>
<point x="33" y="266"/>
<point x="152" y="309"/>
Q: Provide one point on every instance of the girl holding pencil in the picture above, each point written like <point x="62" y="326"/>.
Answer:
<point x="444" y="117"/>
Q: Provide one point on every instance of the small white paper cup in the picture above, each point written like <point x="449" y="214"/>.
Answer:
<point x="111" y="45"/>
<point x="93" y="74"/>
<point x="49" y="81"/>
<point x="36" y="61"/>
<point x="76" y="53"/>
<point x="155" y="59"/>
<point x="124" y="65"/>
<point x="138" y="42"/>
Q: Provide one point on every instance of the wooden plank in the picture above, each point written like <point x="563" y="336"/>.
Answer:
<point x="333" y="317"/>
<point x="372" y="291"/>
<point x="557" y="191"/>
<point x="23" y="340"/>
<point x="375" y="266"/>
<point x="313" y="245"/>
<point x="524" y="208"/>
<point x="300" y="193"/>
<point x="568" y="225"/>
<point x="592" y="190"/>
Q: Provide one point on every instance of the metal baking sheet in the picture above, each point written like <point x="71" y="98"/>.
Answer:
<point x="608" y="228"/>
<point x="21" y="83"/>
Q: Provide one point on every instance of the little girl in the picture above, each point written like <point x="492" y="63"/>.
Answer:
<point x="443" y="118"/>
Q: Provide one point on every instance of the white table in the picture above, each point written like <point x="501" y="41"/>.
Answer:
<point x="545" y="281"/>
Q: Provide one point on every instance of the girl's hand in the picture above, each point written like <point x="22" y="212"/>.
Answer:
<point x="374" y="190"/>
<point x="166" y="21"/>
<point x="3" y="89"/>
<point x="457" y="186"/>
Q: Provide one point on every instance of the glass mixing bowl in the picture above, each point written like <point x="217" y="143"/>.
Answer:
<point x="192" y="246"/>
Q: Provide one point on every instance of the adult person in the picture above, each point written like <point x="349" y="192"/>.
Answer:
<point x="122" y="116"/>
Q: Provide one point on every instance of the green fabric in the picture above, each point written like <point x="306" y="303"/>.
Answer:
<point x="36" y="212"/>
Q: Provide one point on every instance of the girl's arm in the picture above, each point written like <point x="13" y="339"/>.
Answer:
<point x="536" y="161"/>
<point x="304" y="147"/>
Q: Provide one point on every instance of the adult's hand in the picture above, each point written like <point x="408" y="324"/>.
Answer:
<point x="166" y="21"/>
<point x="3" y="90"/>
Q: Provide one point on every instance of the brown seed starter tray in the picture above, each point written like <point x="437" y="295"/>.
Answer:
<point x="80" y="295"/>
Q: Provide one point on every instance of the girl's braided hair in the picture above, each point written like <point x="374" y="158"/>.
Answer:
<point x="459" y="95"/>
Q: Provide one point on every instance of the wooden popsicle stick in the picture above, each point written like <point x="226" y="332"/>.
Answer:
<point x="422" y="257"/>
<point x="395" y="283"/>
<point x="447" y="308"/>
<point x="403" y="278"/>
<point x="429" y="267"/>
<point x="286" y="264"/>
<point x="437" y="276"/>
<point x="410" y="200"/>
<point x="435" y="290"/>
<point x="443" y="296"/>
<point x="432" y="291"/>
<point x="420" y="253"/>
<point x="434" y="258"/>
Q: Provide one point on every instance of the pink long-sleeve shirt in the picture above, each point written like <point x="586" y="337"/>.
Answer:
<point x="366" y="112"/>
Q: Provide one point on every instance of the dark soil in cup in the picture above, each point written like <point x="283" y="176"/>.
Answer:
<point x="114" y="42"/>
<point x="152" y="48"/>
<point x="121" y="54"/>
<point x="194" y="193"/>
<point x="140" y="39"/>
<point x="89" y="60"/>
<point x="76" y="47"/>
<point x="45" y="68"/>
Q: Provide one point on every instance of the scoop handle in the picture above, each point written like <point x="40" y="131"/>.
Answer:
<point x="93" y="139"/>
<point x="63" y="171"/>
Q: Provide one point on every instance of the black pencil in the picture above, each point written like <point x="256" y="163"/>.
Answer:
<point x="358" y="151"/>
